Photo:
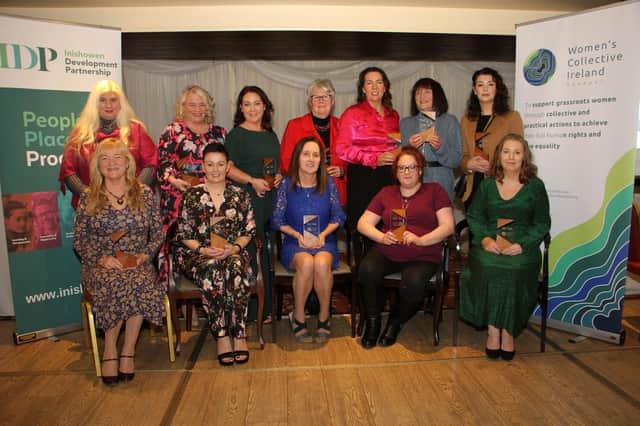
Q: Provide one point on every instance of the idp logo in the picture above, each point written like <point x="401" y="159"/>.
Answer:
<point x="22" y="57"/>
<point x="539" y="67"/>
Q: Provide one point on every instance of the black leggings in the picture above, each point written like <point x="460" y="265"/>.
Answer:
<point x="415" y="275"/>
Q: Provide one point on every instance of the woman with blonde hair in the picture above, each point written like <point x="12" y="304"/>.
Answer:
<point x="106" y="114"/>
<point x="180" y="155"/>
<point x="117" y="233"/>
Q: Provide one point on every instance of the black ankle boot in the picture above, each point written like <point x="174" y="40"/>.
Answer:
<point x="371" y="332"/>
<point x="391" y="332"/>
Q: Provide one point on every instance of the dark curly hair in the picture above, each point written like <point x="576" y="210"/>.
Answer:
<point x="386" y="98"/>
<point x="440" y="104"/>
<point x="238" y="118"/>
<point x="528" y="170"/>
<point x="501" y="101"/>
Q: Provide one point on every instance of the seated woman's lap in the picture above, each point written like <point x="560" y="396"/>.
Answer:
<point x="302" y="260"/>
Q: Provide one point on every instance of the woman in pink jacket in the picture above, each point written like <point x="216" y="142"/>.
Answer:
<point x="366" y="139"/>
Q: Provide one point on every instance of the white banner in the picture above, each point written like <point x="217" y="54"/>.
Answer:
<point x="577" y="88"/>
<point x="46" y="72"/>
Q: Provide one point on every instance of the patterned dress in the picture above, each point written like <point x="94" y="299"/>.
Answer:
<point x="290" y="208"/>
<point x="179" y="152"/>
<point x="119" y="294"/>
<point x="225" y="283"/>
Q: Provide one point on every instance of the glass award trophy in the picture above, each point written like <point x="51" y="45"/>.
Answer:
<point x="216" y="240"/>
<point x="191" y="179"/>
<point x="127" y="260"/>
<point x="269" y="170"/>
<point x="311" y="229"/>
<point x="398" y="222"/>
<point x="504" y="233"/>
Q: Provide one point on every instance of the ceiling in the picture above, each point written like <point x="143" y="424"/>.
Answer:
<point x="551" y="5"/>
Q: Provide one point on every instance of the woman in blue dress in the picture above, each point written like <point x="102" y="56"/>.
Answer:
<point x="307" y="211"/>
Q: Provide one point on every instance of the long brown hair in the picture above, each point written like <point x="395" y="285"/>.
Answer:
<point x="386" y="97"/>
<point x="294" y="166"/>
<point x="528" y="170"/>
<point x="500" y="102"/>
<point x="97" y="199"/>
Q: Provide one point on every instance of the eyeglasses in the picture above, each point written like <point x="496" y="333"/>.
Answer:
<point x="320" y="98"/>
<point x="411" y="168"/>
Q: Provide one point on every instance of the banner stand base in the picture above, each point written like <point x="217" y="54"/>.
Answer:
<point x="607" y="336"/>
<point x="32" y="336"/>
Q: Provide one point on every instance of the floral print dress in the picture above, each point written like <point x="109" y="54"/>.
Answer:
<point x="179" y="153"/>
<point x="225" y="283"/>
<point x="119" y="294"/>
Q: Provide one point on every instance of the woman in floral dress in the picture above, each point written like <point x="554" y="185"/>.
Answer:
<point x="222" y="267"/>
<point x="119" y="215"/>
<point x="180" y="156"/>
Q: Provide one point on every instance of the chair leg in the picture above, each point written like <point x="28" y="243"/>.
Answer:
<point x="260" y="294"/>
<point x="94" y="339"/>
<point x="354" y="298"/>
<point x="437" y="313"/>
<point x="275" y="313"/>
<point x="456" y="306"/>
<point x="167" y="308"/>
<point x="175" y="323"/>
<point x="189" y="319"/>
<point x="85" y="326"/>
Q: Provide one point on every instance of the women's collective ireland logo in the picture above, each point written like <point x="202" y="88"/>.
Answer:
<point x="539" y="67"/>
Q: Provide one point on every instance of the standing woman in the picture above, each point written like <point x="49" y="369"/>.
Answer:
<point x="323" y="126"/>
<point x="251" y="142"/>
<point x="499" y="286"/>
<point x="308" y="192"/>
<point x="107" y="114"/>
<point x="442" y="146"/>
<point x="117" y="202"/>
<point x="223" y="272"/>
<point x="487" y="119"/>
<point x="180" y="155"/>
<point x="364" y="141"/>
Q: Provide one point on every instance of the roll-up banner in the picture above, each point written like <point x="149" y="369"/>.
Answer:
<point x="46" y="72"/>
<point x="577" y="88"/>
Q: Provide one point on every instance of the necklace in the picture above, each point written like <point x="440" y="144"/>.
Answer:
<point x="119" y="200"/>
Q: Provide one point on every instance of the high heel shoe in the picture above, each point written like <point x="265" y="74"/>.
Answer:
<point x="125" y="377"/>
<point x="371" y="332"/>
<point x="492" y="353"/>
<point x="390" y="334"/>
<point x="110" y="380"/>
<point x="225" y="359"/>
<point x="507" y="355"/>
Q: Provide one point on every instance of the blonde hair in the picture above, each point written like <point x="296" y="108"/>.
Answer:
<point x="202" y="94"/>
<point x="97" y="198"/>
<point x="88" y="123"/>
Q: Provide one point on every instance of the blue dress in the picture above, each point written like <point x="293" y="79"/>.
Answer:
<point x="291" y="205"/>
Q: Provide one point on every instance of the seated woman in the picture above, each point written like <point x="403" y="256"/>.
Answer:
<point x="215" y="224"/>
<point x="416" y="217"/>
<point x="499" y="285"/>
<point x="307" y="210"/>
<point x="118" y="219"/>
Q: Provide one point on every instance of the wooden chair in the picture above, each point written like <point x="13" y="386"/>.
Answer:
<point x="183" y="290"/>
<point x="281" y="278"/>
<point x="89" y="327"/>
<point x="543" y="284"/>
<point x="436" y="286"/>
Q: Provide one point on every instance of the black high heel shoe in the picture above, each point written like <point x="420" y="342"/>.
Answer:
<point x="110" y="380"/>
<point x="371" y="332"/>
<point x="125" y="377"/>
<point x="390" y="334"/>
<point x="492" y="353"/>
<point x="507" y="355"/>
<point x="225" y="359"/>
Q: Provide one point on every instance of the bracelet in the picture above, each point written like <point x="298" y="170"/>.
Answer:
<point x="239" y="247"/>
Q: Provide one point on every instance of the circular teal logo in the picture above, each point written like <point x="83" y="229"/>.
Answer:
<point x="539" y="67"/>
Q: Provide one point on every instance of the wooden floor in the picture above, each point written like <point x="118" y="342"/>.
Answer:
<point x="53" y="382"/>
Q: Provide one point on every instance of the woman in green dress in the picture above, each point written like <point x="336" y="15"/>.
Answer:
<point x="251" y="145"/>
<point x="499" y="285"/>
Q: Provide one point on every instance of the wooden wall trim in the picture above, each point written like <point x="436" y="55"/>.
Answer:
<point x="316" y="45"/>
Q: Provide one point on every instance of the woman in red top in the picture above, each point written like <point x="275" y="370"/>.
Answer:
<point x="107" y="114"/>
<point x="323" y="126"/>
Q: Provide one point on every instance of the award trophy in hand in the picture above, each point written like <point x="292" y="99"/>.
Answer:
<point x="216" y="240"/>
<point x="504" y="233"/>
<point x="127" y="260"/>
<point x="398" y="222"/>
<point x="311" y="229"/>
<point x="269" y="170"/>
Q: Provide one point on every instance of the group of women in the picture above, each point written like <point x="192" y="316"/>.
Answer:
<point x="220" y="190"/>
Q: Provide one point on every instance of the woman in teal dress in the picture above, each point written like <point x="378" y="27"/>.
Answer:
<point x="499" y="286"/>
<point x="250" y="144"/>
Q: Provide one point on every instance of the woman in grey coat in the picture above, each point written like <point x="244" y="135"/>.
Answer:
<point x="434" y="132"/>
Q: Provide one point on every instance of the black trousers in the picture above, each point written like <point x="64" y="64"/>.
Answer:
<point x="362" y="184"/>
<point x="415" y="276"/>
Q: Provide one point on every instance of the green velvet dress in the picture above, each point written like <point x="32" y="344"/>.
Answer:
<point x="496" y="289"/>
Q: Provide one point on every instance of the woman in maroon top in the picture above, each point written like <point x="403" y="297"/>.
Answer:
<point x="414" y="252"/>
